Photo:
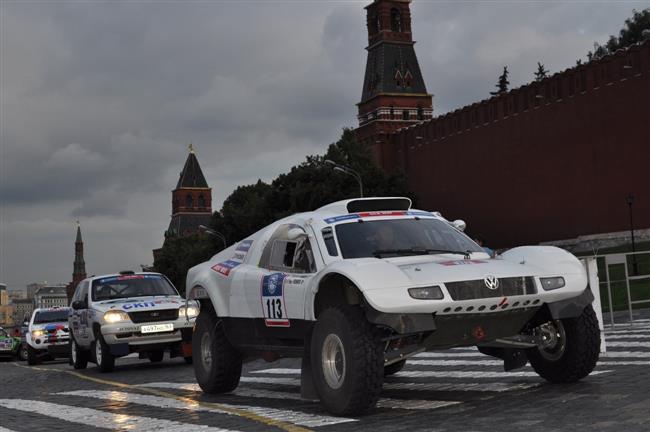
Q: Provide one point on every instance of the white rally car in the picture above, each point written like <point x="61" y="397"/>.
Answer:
<point x="47" y="335"/>
<point x="358" y="286"/>
<point x="115" y="315"/>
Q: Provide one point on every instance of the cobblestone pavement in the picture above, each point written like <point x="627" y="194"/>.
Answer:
<point x="454" y="390"/>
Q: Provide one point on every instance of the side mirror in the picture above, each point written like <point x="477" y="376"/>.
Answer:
<point x="459" y="224"/>
<point x="295" y="234"/>
<point x="76" y="305"/>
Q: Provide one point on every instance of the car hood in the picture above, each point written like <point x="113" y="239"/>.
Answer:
<point x="540" y="261"/>
<point x="135" y="304"/>
<point x="51" y="327"/>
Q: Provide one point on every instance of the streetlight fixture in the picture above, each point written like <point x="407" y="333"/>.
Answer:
<point x="214" y="233"/>
<point x="630" y="202"/>
<point x="346" y="170"/>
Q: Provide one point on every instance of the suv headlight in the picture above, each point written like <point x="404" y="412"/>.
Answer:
<point x="189" y="311"/>
<point x="426" y="293"/>
<point x="114" y="316"/>
<point x="552" y="283"/>
<point x="37" y="333"/>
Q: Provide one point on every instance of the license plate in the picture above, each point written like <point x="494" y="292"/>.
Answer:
<point x="157" y="328"/>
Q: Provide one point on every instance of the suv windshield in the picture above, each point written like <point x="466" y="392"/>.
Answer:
<point x="397" y="237"/>
<point x="117" y="287"/>
<point x="51" y="316"/>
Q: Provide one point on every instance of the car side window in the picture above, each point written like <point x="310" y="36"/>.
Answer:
<point x="291" y="256"/>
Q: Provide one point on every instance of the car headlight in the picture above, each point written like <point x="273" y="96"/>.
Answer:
<point x="189" y="311"/>
<point x="114" y="316"/>
<point x="37" y="333"/>
<point x="552" y="283"/>
<point x="426" y="293"/>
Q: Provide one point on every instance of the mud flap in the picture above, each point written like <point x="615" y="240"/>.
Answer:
<point x="307" y="388"/>
<point x="513" y="358"/>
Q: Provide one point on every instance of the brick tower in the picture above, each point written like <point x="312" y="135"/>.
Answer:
<point x="191" y="200"/>
<point x="394" y="94"/>
<point x="79" y="265"/>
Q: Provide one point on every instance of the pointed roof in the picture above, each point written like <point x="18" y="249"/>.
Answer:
<point x="192" y="176"/>
<point x="78" y="240"/>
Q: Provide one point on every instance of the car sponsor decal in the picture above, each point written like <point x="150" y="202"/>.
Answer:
<point x="364" y="215"/>
<point x="197" y="293"/>
<point x="244" y="246"/>
<point x="127" y="277"/>
<point x="461" y="262"/>
<point x="148" y="304"/>
<point x="273" y="304"/>
<point x="225" y="267"/>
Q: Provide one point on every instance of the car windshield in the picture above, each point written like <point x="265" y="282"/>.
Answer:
<point x="118" y="287"/>
<point x="51" y="316"/>
<point x="398" y="237"/>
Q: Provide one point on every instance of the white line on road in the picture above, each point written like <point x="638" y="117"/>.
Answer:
<point x="431" y="374"/>
<point x="102" y="419"/>
<point x="626" y="354"/>
<point x="411" y="404"/>
<point x="3" y="429"/>
<point x="295" y="417"/>
<point x="627" y="336"/>
<point x="629" y="344"/>
<point x="601" y="362"/>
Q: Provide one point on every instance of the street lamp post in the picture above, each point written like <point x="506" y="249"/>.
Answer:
<point x="347" y="170"/>
<point x="630" y="201"/>
<point x="214" y="233"/>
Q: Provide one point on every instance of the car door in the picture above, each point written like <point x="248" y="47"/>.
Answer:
<point x="82" y="335"/>
<point x="277" y="287"/>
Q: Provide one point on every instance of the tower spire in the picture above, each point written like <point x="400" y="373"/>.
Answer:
<point x="79" y="265"/>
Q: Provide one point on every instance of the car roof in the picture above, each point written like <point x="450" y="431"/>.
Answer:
<point x="51" y="309"/>
<point x="92" y="278"/>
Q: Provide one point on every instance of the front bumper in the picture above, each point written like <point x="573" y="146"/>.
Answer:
<point x="130" y="333"/>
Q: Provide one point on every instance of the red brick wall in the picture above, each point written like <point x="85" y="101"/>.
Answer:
<point x="523" y="169"/>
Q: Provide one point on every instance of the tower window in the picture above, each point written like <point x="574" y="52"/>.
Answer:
<point x="420" y="113"/>
<point x="189" y="202"/>
<point x="201" y="201"/>
<point x="395" y="20"/>
<point x="373" y="22"/>
<point x="392" y="113"/>
<point x="405" y="115"/>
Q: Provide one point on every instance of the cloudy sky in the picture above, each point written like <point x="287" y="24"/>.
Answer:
<point x="99" y="100"/>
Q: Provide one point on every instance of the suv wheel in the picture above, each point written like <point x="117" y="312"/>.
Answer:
<point x="156" y="356"/>
<point x="22" y="352"/>
<point x="347" y="361"/>
<point x="78" y="356"/>
<point x="103" y="358"/>
<point x="392" y="369"/>
<point x="569" y="348"/>
<point x="31" y="356"/>
<point x="217" y="364"/>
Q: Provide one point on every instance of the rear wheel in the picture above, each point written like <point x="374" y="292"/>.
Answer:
<point x="568" y="349"/>
<point x="31" y="356"/>
<point x="217" y="364"/>
<point x="103" y="358"/>
<point x="156" y="356"/>
<point x="347" y="361"/>
<point x="78" y="356"/>
<point x="394" y="368"/>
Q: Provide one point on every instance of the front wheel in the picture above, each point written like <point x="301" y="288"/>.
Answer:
<point x="22" y="352"/>
<point x="568" y="349"/>
<point x="217" y="364"/>
<point x="347" y="361"/>
<point x="103" y="358"/>
<point x="78" y="356"/>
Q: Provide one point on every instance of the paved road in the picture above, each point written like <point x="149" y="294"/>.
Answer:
<point x="454" y="390"/>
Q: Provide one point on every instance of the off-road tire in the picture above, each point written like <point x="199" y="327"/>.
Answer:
<point x="106" y="361"/>
<point x="363" y="376"/>
<point x="220" y="372"/>
<point x="156" y="356"/>
<point x="78" y="356"/>
<point x="22" y="352"/>
<point x="580" y="354"/>
<point x="32" y="356"/>
<point x="392" y="369"/>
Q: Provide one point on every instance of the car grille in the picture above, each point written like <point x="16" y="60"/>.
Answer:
<point x="476" y="289"/>
<point x="154" y="315"/>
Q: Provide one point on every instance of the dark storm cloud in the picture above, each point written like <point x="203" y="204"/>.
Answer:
<point x="100" y="99"/>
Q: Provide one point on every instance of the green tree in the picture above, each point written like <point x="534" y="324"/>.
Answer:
<point x="502" y="84"/>
<point x="541" y="72"/>
<point x="631" y="33"/>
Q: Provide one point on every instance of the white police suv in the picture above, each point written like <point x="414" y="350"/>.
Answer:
<point x="47" y="336"/>
<point x="115" y="315"/>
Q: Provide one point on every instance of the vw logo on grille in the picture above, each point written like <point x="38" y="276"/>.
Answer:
<point x="492" y="282"/>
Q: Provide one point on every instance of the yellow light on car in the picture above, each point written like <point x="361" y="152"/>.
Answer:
<point x="37" y="333"/>
<point x="114" y="316"/>
<point x="189" y="311"/>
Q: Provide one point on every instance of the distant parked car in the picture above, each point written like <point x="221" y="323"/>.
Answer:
<point x="47" y="336"/>
<point x="9" y="345"/>
<point x="118" y="314"/>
